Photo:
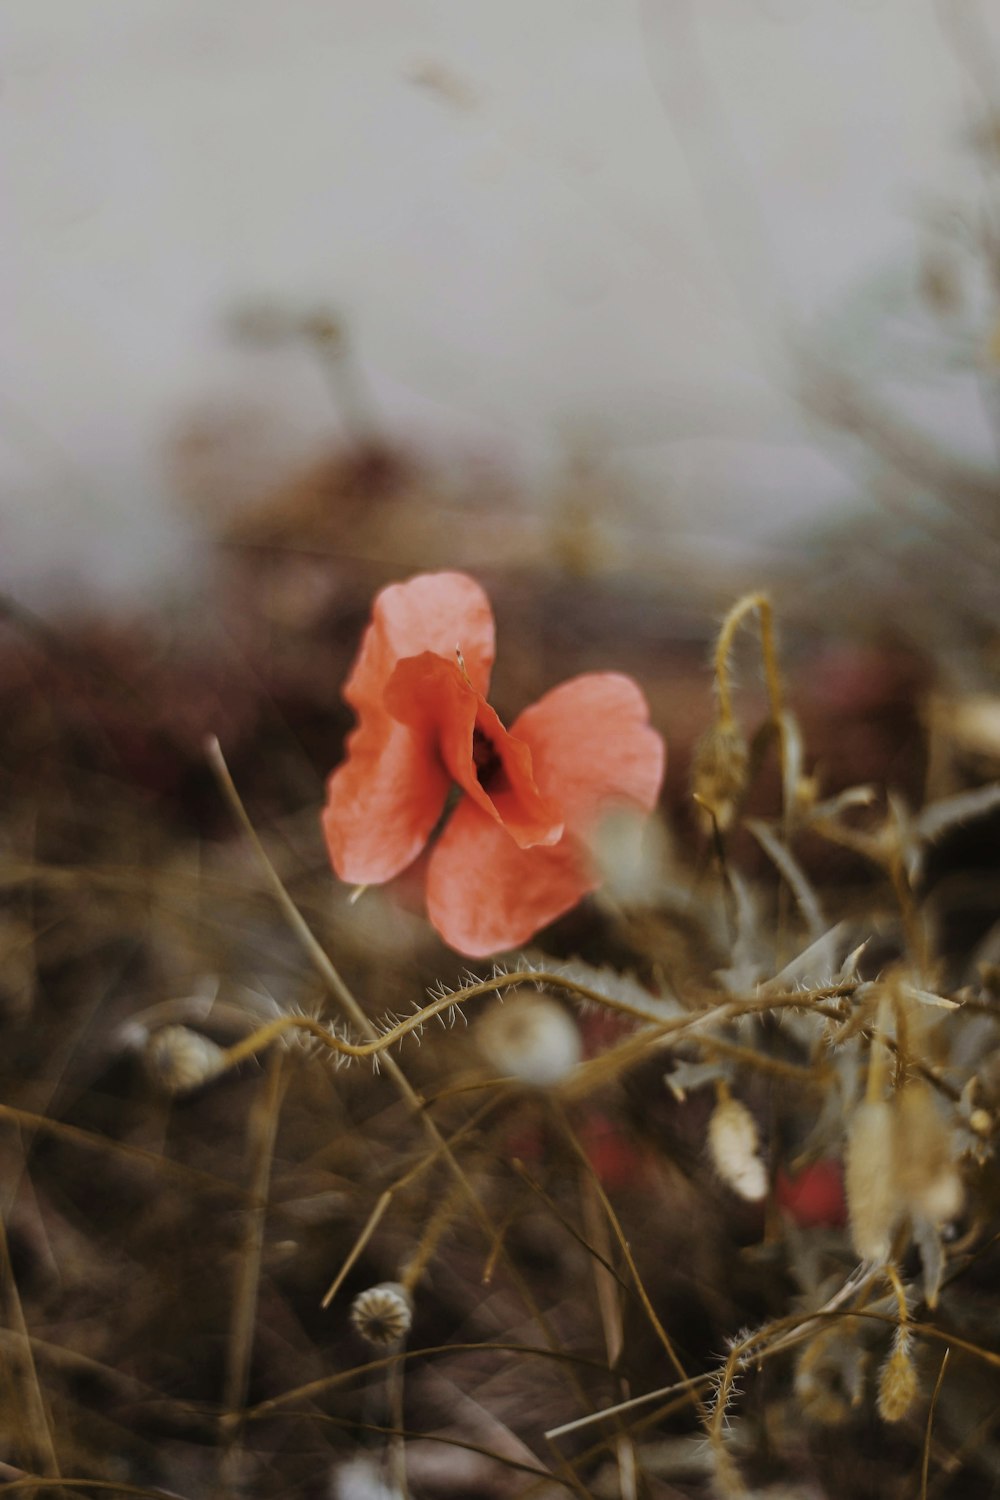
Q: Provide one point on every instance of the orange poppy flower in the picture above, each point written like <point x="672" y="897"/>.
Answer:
<point x="513" y="854"/>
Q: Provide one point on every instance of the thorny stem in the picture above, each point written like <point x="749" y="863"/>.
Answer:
<point x="682" y="1028"/>
<point x="656" y="1028"/>
<point x="772" y="1339"/>
<point x="380" y="1042"/>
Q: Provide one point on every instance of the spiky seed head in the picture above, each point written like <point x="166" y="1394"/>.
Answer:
<point x="898" y="1385"/>
<point x="382" y="1314"/>
<point x="732" y="1141"/>
<point x="719" y="771"/>
<point x="179" y="1059"/>
<point x="873" y="1200"/>
<point x="530" y="1038"/>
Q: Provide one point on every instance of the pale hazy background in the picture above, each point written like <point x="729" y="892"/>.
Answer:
<point x="547" y="223"/>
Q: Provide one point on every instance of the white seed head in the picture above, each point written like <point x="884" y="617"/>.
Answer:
<point x="529" y="1038"/>
<point x="732" y="1141"/>
<point x="179" y="1059"/>
<point x="928" y="1178"/>
<point x="360" y="1478"/>
<point x="630" y="851"/>
<point x="873" y="1199"/>
<point x="383" y="1314"/>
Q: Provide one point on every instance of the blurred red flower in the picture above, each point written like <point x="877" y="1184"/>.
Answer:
<point x="513" y="854"/>
<point x="815" y="1196"/>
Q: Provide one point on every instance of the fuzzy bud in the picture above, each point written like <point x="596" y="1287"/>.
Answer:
<point x="897" y="1385"/>
<point x="928" y="1178"/>
<point x="180" y="1060"/>
<point x="531" y="1039"/>
<point x="873" y="1201"/>
<point x="732" y="1141"/>
<point x="383" y="1314"/>
<point x="719" y="772"/>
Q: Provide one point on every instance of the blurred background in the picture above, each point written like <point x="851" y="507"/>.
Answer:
<point x="709" y="279"/>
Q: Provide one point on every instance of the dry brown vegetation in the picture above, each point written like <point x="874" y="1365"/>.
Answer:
<point x="235" y="1103"/>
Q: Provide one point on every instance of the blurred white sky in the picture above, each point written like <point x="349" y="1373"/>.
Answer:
<point x="540" y="217"/>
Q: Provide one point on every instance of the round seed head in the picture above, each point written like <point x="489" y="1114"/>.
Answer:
<point x="179" y="1060"/>
<point x="529" y="1038"/>
<point x="382" y="1314"/>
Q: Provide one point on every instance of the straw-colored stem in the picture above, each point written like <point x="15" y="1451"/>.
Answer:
<point x="441" y="1221"/>
<point x="626" y="1249"/>
<point x="262" y="1132"/>
<point x="608" y="1300"/>
<point x="37" y="1432"/>
<point x="925" y="1463"/>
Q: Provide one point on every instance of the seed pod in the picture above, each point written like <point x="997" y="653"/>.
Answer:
<point x="873" y="1201"/>
<point x="928" y="1178"/>
<point x="719" y="772"/>
<point x="898" y="1385"/>
<point x="529" y="1038"/>
<point x="732" y="1141"/>
<point x="383" y="1314"/>
<point x="179" y="1060"/>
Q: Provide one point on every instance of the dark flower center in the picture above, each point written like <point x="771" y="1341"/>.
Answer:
<point x="489" y="766"/>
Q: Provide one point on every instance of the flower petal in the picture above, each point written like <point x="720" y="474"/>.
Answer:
<point x="384" y="800"/>
<point x="592" y="747"/>
<point x="382" y="803"/>
<point x="484" y="894"/>
<point x="434" y="698"/>
<point x="436" y="612"/>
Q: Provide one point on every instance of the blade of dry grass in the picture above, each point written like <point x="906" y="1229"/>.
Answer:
<point x="37" y="1430"/>
<point x="262" y="1131"/>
